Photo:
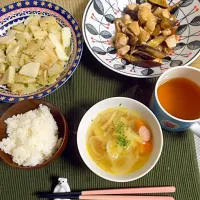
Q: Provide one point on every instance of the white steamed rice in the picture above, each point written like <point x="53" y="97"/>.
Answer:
<point x="32" y="137"/>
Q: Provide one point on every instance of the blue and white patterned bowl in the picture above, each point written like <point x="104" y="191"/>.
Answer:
<point x="18" y="12"/>
<point x="99" y="29"/>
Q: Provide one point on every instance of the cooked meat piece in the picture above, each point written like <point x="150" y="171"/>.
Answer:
<point x="133" y="40"/>
<point x="123" y="50"/>
<point x="133" y="6"/>
<point x="158" y="12"/>
<point x="120" y="40"/>
<point x="145" y="5"/>
<point x="166" y="13"/>
<point x="144" y="12"/>
<point x="126" y="19"/>
<point x="127" y="31"/>
<point x="144" y="35"/>
<point x="157" y="30"/>
<point x="166" y="32"/>
<point x="118" y="25"/>
<point x="160" y="47"/>
<point x="151" y="22"/>
<point x="134" y="28"/>
<point x="171" y="41"/>
<point x="161" y="3"/>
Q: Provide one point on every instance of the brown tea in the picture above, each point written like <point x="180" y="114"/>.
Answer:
<point x="181" y="98"/>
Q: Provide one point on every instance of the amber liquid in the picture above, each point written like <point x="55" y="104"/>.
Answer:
<point x="181" y="98"/>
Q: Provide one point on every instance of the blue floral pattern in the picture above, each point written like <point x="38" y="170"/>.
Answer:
<point x="13" y="14"/>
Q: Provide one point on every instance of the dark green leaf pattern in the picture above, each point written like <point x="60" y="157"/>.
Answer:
<point x="98" y="50"/>
<point x="175" y="63"/>
<point x="110" y="18"/>
<point x="195" y="21"/>
<point x="194" y="45"/>
<point x="180" y="30"/>
<point x="106" y="34"/>
<point x="179" y="46"/>
<point x="91" y="29"/>
<point x="147" y="72"/>
<point x="98" y="6"/>
<point x="111" y="50"/>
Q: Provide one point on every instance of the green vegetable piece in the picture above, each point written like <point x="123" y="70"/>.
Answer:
<point x="154" y="52"/>
<point x="161" y="3"/>
<point x="155" y="42"/>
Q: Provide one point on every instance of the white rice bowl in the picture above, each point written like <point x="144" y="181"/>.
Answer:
<point x="32" y="137"/>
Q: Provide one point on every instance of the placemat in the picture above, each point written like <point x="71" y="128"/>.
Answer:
<point x="91" y="83"/>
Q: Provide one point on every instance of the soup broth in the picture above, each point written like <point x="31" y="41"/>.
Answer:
<point x="180" y="97"/>
<point x="119" y="141"/>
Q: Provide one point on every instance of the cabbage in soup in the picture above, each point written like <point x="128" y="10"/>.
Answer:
<point x="119" y="141"/>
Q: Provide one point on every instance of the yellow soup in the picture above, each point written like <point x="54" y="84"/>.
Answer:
<point x="119" y="141"/>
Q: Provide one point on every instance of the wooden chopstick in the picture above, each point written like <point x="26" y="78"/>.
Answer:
<point x="90" y="194"/>
<point x="145" y="190"/>
<point x="107" y="197"/>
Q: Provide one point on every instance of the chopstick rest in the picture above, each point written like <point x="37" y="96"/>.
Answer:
<point x="62" y="186"/>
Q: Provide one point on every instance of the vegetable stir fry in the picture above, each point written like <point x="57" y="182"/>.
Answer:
<point x="33" y="54"/>
<point x="146" y="33"/>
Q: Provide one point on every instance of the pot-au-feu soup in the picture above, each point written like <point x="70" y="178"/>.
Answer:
<point x="119" y="141"/>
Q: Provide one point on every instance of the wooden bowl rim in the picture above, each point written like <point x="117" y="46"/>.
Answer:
<point x="60" y="149"/>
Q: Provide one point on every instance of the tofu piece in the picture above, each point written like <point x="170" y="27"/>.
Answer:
<point x="19" y="27"/>
<point x="55" y="70"/>
<point x="2" y="67"/>
<point x="2" y="54"/>
<point x="13" y="53"/>
<point x="44" y="21"/>
<point x="47" y="43"/>
<point x="10" y="46"/>
<point x="15" y="62"/>
<point x="53" y="28"/>
<point x="17" y="88"/>
<point x="53" y="56"/>
<point x="41" y="57"/>
<point x="32" y="20"/>
<point x="24" y="60"/>
<point x="24" y="79"/>
<point x="31" y="48"/>
<point x="59" y="48"/>
<point x="8" y="76"/>
<point x="66" y="37"/>
<point x="38" y="32"/>
<point x="24" y="35"/>
<point x="7" y="39"/>
<point x="30" y="69"/>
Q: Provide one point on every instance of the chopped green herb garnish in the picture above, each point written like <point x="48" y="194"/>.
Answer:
<point x="120" y="104"/>
<point x="120" y="128"/>
<point x="122" y="141"/>
<point x="121" y="137"/>
<point x="25" y="84"/>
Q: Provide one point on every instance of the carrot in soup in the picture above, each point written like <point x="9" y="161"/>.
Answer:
<point x="138" y="124"/>
<point x="145" y="148"/>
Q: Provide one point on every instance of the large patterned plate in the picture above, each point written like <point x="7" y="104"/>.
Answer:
<point x="99" y="29"/>
<point x="18" y="12"/>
